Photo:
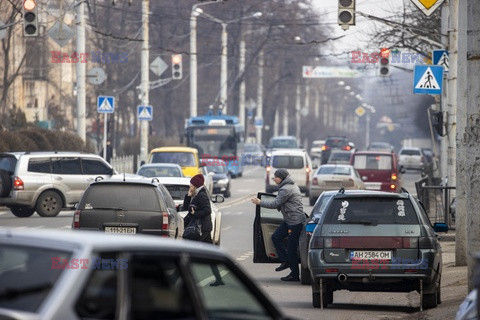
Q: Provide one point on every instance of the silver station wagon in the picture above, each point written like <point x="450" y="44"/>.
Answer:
<point x="375" y="241"/>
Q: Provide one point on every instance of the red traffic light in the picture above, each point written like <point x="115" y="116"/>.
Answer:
<point x="29" y="5"/>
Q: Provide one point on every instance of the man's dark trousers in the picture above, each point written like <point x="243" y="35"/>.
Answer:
<point x="289" y="254"/>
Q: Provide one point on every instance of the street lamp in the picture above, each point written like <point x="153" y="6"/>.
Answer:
<point x="223" y="73"/>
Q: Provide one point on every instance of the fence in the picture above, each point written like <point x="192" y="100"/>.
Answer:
<point x="126" y="164"/>
<point x="436" y="197"/>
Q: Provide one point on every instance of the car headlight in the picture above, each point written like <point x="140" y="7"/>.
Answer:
<point x="223" y="181"/>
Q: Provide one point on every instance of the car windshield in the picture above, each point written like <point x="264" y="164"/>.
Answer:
<point x="334" y="170"/>
<point x="336" y="143"/>
<point x="28" y="274"/>
<point x="370" y="210"/>
<point x="340" y="156"/>
<point x="373" y="162"/>
<point x="216" y="169"/>
<point x="184" y="159"/>
<point x="410" y="152"/>
<point x="283" y="143"/>
<point x="287" y="162"/>
<point x="165" y="171"/>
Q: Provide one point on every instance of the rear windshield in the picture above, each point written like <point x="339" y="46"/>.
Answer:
<point x="160" y="172"/>
<point x="372" y="162"/>
<point x="123" y="196"/>
<point x="184" y="159"/>
<point x="336" y="143"/>
<point x="346" y="171"/>
<point x="283" y="143"/>
<point x="371" y="210"/>
<point x="410" y="152"/>
<point x="288" y="162"/>
<point x="340" y="156"/>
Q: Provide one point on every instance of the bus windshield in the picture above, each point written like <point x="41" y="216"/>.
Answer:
<point x="214" y="141"/>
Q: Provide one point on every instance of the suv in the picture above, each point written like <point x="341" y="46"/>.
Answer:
<point x="375" y="241"/>
<point x="128" y="207"/>
<point x="46" y="182"/>
<point x="334" y="143"/>
<point x="411" y="158"/>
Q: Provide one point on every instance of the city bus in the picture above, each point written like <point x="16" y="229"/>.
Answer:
<point x="217" y="137"/>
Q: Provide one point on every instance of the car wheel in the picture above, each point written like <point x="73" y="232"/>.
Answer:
<point x="312" y="200"/>
<point x="429" y="300"/>
<point x="305" y="277"/>
<point x="327" y="298"/>
<point x="22" y="211"/>
<point x="227" y="193"/>
<point x="5" y="183"/>
<point x="49" y="204"/>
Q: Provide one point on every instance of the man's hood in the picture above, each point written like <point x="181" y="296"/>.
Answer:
<point x="287" y="180"/>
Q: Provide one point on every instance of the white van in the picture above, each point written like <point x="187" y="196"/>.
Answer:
<point x="298" y="164"/>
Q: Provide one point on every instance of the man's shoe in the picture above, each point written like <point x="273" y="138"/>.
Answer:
<point x="283" y="266"/>
<point x="217" y="283"/>
<point x="290" y="278"/>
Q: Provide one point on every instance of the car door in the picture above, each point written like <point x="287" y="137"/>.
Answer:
<point x="265" y="223"/>
<point x="67" y="177"/>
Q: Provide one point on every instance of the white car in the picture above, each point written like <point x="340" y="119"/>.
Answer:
<point x="411" y="158"/>
<point x="178" y="188"/>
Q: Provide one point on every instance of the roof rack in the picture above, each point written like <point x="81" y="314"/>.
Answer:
<point x="405" y="190"/>
<point x="342" y="190"/>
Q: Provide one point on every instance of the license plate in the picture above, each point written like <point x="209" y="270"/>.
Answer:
<point x="125" y="230"/>
<point x="373" y="186"/>
<point x="369" y="255"/>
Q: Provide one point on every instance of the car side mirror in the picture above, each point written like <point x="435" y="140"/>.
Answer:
<point x="218" y="198"/>
<point x="440" y="227"/>
<point x="142" y="163"/>
<point x="315" y="166"/>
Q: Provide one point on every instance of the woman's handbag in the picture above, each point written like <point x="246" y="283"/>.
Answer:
<point x="193" y="231"/>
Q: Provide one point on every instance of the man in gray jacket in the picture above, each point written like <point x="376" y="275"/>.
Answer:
<point x="289" y="202"/>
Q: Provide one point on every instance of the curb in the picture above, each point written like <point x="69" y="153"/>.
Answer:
<point x="447" y="237"/>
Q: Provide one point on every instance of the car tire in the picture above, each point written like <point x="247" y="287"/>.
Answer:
<point x="305" y="277"/>
<point x="22" y="211"/>
<point x="327" y="298"/>
<point x="312" y="200"/>
<point x="5" y="183"/>
<point x="227" y="193"/>
<point x="49" y="204"/>
<point x="429" y="300"/>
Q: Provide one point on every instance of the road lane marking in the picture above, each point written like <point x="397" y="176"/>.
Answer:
<point x="226" y="228"/>
<point x="245" y="256"/>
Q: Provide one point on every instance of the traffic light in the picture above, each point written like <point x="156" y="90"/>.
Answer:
<point x="176" y="66"/>
<point x="437" y="122"/>
<point x="346" y="13"/>
<point x="384" y="70"/>
<point x="30" y="18"/>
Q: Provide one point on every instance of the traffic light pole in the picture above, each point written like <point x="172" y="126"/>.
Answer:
<point x="144" y="86"/>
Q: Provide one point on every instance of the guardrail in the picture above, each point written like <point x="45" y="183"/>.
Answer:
<point x="126" y="164"/>
<point x="436" y="198"/>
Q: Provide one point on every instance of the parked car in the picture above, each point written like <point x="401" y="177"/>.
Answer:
<point x="152" y="170"/>
<point x="298" y="164"/>
<point x="316" y="149"/>
<point x="333" y="177"/>
<point x="379" y="170"/>
<point x="411" y="158"/>
<point x="130" y="207"/>
<point x="253" y="155"/>
<point x="185" y="157"/>
<point x="178" y="188"/>
<point x="58" y="275"/>
<point x="375" y="241"/>
<point x="380" y="146"/>
<point x="340" y="157"/>
<point x="221" y="176"/>
<point x="335" y="143"/>
<point x="47" y="182"/>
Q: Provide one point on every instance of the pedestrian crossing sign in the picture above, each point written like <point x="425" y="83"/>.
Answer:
<point x="105" y="104"/>
<point x="427" y="79"/>
<point x="441" y="58"/>
<point x="145" y="113"/>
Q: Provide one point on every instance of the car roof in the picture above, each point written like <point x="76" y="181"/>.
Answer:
<point x="95" y="240"/>
<point x="283" y="137"/>
<point x="120" y="180"/>
<point x="379" y="152"/>
<point x="288" y="152"/>
<point x="174" y="180"/>
<point x="174" y="149"/>
<point x="161" y="164"/>
<point x="50" y="153"/>
<point x="371" y="193"/>
<point x="410" y="148"/>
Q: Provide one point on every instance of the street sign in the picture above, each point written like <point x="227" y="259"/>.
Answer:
<point x="427" y="6"/>
<point x="61" y="33"/>
<point x="145" y="113"/>
<point x="360" y="111"/>
<point x="441" y="58"/>
<point x="158" y="66"/>
<point x="96" y="75"/>
<point x="329" y="72"/>
<point x="258" y="122"/>
<point x="427" y="79"/>
<point x="105" y="104"/>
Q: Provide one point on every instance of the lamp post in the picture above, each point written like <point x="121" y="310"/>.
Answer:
<point x="223" y="72"/>
<point x="370" y="109"/>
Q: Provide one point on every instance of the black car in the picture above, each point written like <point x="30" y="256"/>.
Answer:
<point x="221" y="176"/>
<point x="128" y="207"/>
<point x="334" y="143"/>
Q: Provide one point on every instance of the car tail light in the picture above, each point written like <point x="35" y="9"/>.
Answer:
<point x="267" y="175"/>
<point x="349" y="183"/>
<point x="76" y="219"/>
<point x="426" y="243"/>
<point x="324" y="147"/>
<point x="165" y="222"/>
<point x="315" y="181"/>
<point x="18" y="183"/>
<point x="331" y="270"/>
<point x="410" y="242"/>
<point x="393" y="187"/>
<point x="394" y="177"/>
<point x="348" y="148"/>
<point x="307" y="173"/>
<point x="316" y="243"/>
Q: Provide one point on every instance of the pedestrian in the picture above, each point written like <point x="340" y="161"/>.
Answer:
<point x="289" y="202"/>
<point x="197" y="203"/>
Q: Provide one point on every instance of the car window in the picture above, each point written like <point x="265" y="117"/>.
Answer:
<point x="410" y="152"/>
<point x="167" y="198"/>
<point x="177" y="191"/>
<point x="184" y="159"/>
<point x="66" y="166"/>
<point x="151" y="172"/>
<point x="320" y="206"/>
<point x="42" y="165"/>
<point x="125" y="196"/>
<point x="92" y="166"/>
<point x="373" y="162"/>
<point x="288" y="162"/>
<point x="381" y="210"/>
<point x="229" y="300"/>
<point x="30" y="273"/>
<point x="334" y="170"/>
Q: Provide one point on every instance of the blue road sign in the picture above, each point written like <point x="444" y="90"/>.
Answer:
<point x="441" y="58"/>
<point x="427" y="79"/>
<point x="145" y="113"/>
<point x="259" y="123"/>
<point x="105" y="104"/>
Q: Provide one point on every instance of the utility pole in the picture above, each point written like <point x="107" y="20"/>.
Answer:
<point x="80" y="71"/>
<point x="144" y="86"/>
<point x="297" y="113"/>
<point x="259" y="115"/>
<point x="241" y="70"/>
<point x="223" y="75"/>
<point x="193" y="63"/>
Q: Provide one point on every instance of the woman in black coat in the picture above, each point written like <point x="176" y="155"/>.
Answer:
<point x="197" y="201"/>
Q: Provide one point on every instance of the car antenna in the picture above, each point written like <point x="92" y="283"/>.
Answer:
<point x="342" y="190"/>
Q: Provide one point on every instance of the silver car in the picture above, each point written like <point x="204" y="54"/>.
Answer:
<point x="58" y="275"/>
<point x="411" y="158"/>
